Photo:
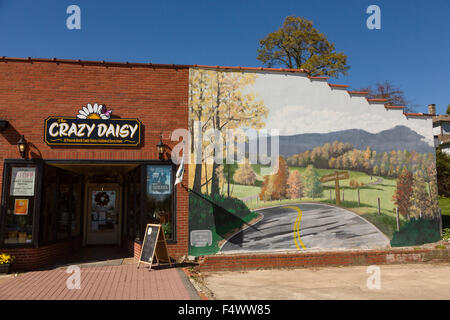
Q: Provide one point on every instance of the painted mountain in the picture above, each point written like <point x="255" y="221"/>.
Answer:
<point x="397" y="138"/>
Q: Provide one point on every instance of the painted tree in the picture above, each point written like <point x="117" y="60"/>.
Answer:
<point x="367" y="156"/>
<point x="403" y="194"/>
<point x="199" y="108"/>
<point x="264" y="186"/>
<point x="376" y="170"/>
<point x="393" y="163"/>
<point x="384" y="167"/>
<point x="431" y="181"/>
<point x="244" y="174"/>
<point x="421" y="201"/>
<point x="295" y="185"/>
<point x="280" y="179"/>
<point x="332" y="163"/>
<point x="313" y="187"/>
<point x="221" y="100"/>
<point x="339" y="164"/>
<point x="297" y="44"/>
<point x="355" y="159"/>
<point x="268" y="188"/>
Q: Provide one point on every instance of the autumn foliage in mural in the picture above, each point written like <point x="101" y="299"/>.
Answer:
<point x="295" y="185"/>
<point x="403" y="195"/>
<point x="339" y="155"/>
<point x="275" y="186"/>
<point x="245" y="174"/>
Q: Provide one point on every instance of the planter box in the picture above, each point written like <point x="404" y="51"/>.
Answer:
<point x="4" y="268"/>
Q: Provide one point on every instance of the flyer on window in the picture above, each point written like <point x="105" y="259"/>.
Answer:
<point x="22" y="181"/>
<point x="158" y="179"/>
<point x="21" y="207"/>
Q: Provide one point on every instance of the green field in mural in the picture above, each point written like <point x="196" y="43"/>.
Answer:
<point x="374" y="187"/>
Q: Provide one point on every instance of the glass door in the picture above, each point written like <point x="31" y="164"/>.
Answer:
<point x="103" y="215"/>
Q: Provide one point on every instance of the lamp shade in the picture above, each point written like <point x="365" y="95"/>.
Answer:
<point x="22" y="146"/>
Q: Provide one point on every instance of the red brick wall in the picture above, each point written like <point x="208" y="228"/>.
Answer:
<point x="31" y="91"/>
<point x="321" y="259"/>
<point x="34" y="258"/>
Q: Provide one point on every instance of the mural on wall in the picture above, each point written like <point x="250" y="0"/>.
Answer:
<point x="348" y="173"/>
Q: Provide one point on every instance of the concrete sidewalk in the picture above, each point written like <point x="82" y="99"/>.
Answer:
<point x="122" y="282"/>
<point x="405" y="281"/>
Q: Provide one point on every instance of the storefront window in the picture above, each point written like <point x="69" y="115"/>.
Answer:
<point x="20" y="204"/>
<point x="159" y="197"/>
<point x="61" y="205"/>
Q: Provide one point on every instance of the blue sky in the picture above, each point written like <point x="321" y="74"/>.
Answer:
<point x="412" y="49"/>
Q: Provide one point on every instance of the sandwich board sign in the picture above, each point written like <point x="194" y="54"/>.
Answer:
<point x="154" y="246"/>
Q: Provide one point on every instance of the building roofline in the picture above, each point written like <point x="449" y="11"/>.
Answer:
<point x="341" y="86"/>
<point x="238" y="68"/>
<point x="149" y="64"/>
<point x="418" y="114"/>
<point x="375" y="100"/>
<point x="352" y="92"/>
<point x="94" y="62"/>
<point x="394" y="107"/>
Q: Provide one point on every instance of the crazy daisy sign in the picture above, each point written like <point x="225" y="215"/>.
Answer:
<point x="92" y="126"/>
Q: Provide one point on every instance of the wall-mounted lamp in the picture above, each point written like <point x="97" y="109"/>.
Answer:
<point x="160" y="147"/>
<point x="3" y="125"/>
<point x="22" y="146"/>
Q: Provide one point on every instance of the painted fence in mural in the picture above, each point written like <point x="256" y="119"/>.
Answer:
<point x="344" y="172"/>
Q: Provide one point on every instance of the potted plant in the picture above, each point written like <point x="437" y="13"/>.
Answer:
<point x="5" y="262"/>
<point x="167" y="229"/>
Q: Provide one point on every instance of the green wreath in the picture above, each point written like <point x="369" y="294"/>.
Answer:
<point x="102" y="199"/>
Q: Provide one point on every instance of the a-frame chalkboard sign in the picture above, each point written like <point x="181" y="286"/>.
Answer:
<point x="154" y="246"/>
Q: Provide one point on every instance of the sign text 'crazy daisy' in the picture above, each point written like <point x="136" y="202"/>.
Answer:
<point x="92" y="126"/>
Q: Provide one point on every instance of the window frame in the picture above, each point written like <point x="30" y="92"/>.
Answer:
<point x="173" y="203"/>
<point x="8" y="164"/>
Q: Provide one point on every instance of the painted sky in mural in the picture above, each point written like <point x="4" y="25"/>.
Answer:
<point x="299" y="105"/>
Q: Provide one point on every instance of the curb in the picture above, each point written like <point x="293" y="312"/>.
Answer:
<point x="194" y="285"/>
<point x="274" y="260"/>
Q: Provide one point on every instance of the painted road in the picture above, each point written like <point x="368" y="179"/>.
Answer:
<point x="321" y="227"/>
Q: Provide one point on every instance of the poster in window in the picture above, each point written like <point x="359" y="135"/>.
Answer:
<point x="22" y="181"/>
<point x="21" y="207"/>
<point x="158" y="179"/>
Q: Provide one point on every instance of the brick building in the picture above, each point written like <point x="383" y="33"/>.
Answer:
<point x="86" y="157"/>
<point x="74" y="186"/>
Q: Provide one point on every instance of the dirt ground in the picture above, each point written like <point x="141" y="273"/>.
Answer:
<point x="406" y="281"/>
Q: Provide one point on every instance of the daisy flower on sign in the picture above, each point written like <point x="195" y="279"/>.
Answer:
<point x="97" y="111"/>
